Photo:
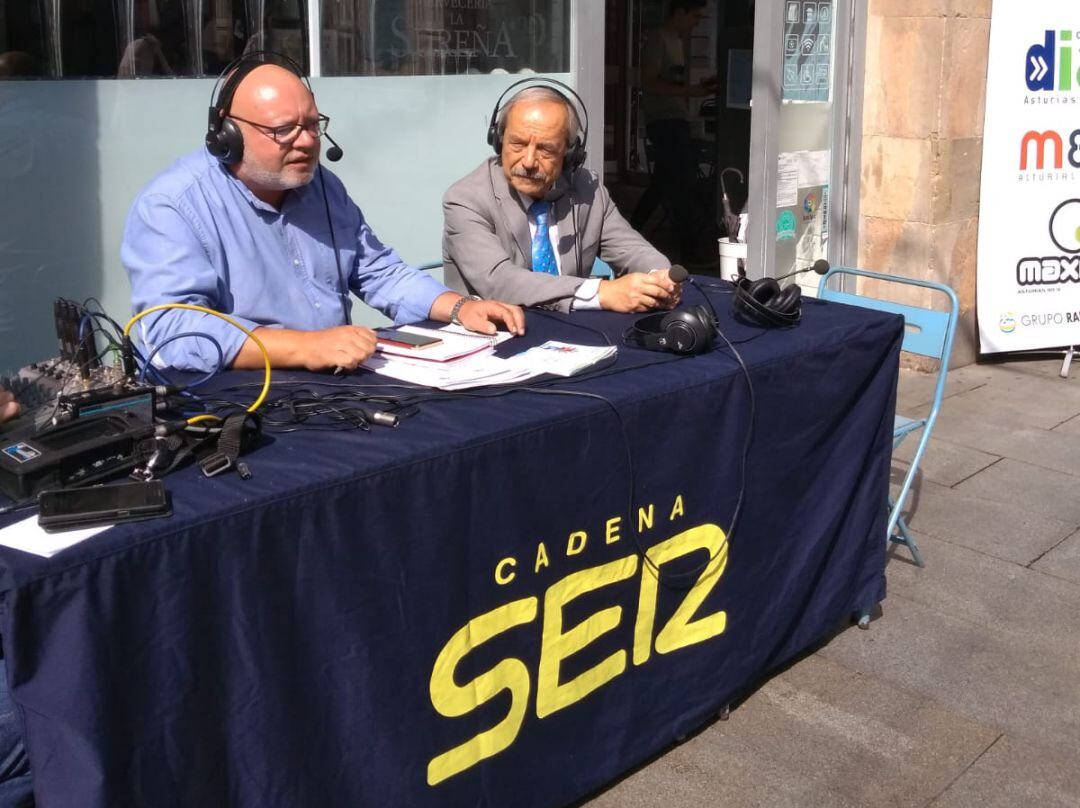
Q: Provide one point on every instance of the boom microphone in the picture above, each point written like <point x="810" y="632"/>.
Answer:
<point x="334" y="153"/>
<point x="820" y="266"/>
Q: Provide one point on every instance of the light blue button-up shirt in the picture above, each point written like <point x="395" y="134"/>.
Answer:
<point x="198" y="235"/>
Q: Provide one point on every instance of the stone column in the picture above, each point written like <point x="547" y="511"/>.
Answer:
<point x="925" y="95"/>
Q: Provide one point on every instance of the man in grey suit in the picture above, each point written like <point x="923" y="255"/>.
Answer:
<point x="526" y="226"/>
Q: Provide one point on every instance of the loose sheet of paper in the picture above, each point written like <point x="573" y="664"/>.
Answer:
<point x="28" y="536"/>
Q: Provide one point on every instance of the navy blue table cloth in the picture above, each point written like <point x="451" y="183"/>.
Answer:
<point x="458" y="611"/>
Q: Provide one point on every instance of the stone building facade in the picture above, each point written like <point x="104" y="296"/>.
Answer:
<point x="925" y="96"/>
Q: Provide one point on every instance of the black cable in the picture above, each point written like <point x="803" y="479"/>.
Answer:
<point x="17" y="506"/>
<point x="564" y="319"/>
<point x="343" y="286"/>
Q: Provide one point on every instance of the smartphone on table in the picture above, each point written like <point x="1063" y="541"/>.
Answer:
<point x="407" y="339"/>
<point x="70" y="508"/>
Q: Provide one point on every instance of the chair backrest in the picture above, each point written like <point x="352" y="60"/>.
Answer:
<point x="927" y="332"/>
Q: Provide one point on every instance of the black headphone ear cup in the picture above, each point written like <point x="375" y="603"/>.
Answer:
<point x="682" y="338"/>
<point x="493" y="137"/>
<point x="707" y="322"/>
<point x="224" y="140"/>
<point x="575" y="155"/>
<point x="763" y="290"/>
<point x="788" y="301"/>
<point x="230" y="143"/>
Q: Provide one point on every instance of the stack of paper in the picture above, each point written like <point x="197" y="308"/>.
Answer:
<point x="458" y="364"/>
<point x="455" y="343"/>
<point x="562" y="358"/>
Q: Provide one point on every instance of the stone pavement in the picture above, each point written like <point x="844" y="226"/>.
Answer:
<point x="965" y="691"/>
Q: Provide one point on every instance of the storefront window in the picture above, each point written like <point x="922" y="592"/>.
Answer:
<point x="444" y="37"/>
<point x="140" y="38"/>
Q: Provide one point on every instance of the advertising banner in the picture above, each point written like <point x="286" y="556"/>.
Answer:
<point x="1029" y="229"/>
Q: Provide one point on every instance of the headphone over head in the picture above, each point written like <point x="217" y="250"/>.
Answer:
<point x="224" y="139"/>
<point x="576" y="151"/>
<point x="682" y="331"/>
<point x="765" y="302"/>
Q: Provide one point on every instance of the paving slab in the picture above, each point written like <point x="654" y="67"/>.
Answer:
<point x="1039" y="447"/>
<point x="1028" y="605"/>
<point x="1048" y="367"/>
<point x="916" y="388"/>
<point x="816" y="735"/>
<point x="1023" y="686"/>
<point x="1006" y="530"/>
<point x="1062" y="561"/>
<point x="1014" y="773"/>
<point x="1053" y="493"/>
<point x="1070" y="427"/>
<point x="1017" y="399"/>
<point x="943" y="462"/>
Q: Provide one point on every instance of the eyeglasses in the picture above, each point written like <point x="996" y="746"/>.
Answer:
<point x="286" y="134"/>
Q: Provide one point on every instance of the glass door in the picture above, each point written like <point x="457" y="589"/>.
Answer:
<point x="805" y="135"/>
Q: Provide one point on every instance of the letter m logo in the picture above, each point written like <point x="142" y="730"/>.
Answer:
<point x="1040" y="140"/>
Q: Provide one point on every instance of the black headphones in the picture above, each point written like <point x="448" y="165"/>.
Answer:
<point x="764" y="302"/>
<point x="224" y="139"/>
<point x="575" y="153"/>
<point x="682" y="331"/>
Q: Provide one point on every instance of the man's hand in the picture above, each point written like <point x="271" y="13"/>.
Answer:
<point x="344" y="346"/>
<point x="639" y="291"/>
<point x="9" y="407"/>
<point x="484" y="316"/>
<point x="676" y="295"/>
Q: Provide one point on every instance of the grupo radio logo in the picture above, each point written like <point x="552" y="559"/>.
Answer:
<point x="1007" y="322"/>
<point x="810" y="204"/>
<point x="1049" y="66"/>
<point x="1060" y="269"/>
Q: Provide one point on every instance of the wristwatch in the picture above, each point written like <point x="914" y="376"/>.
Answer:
<point x="461" y="301"/>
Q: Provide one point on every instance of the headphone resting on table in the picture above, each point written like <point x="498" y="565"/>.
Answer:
<point x="765" y="302"/>
<point x="682" y="331"/>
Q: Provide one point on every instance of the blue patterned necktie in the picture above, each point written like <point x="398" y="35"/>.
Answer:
<point x="543" y="257"/>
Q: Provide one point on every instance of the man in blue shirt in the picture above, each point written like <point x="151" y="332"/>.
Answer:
<point x="253" y="240"/>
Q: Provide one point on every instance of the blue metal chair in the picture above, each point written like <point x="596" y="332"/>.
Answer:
<point x="927" y="332"/>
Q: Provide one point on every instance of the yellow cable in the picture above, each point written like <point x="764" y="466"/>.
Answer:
<point x="193" y="307"/>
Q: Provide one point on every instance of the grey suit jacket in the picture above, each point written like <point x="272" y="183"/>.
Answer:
<point x="487" y="250"/>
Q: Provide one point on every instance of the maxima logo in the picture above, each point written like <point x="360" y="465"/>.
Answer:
<point x="1054" y="270"/>
<point x="1049" y="65"/>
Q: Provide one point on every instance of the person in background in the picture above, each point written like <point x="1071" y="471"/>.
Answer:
<point x="667" y="93"/>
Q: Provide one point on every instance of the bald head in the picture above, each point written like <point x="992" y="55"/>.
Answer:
<point x="266" y="87"/>
<point x="268" y="101"/>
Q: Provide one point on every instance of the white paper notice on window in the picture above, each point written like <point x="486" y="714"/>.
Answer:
<point x="787" y="181"/>
<point x="813" y="167"/>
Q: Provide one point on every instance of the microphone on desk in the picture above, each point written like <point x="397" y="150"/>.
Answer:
<point x="820" y="266"/>
<point x="334" y="153"/>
